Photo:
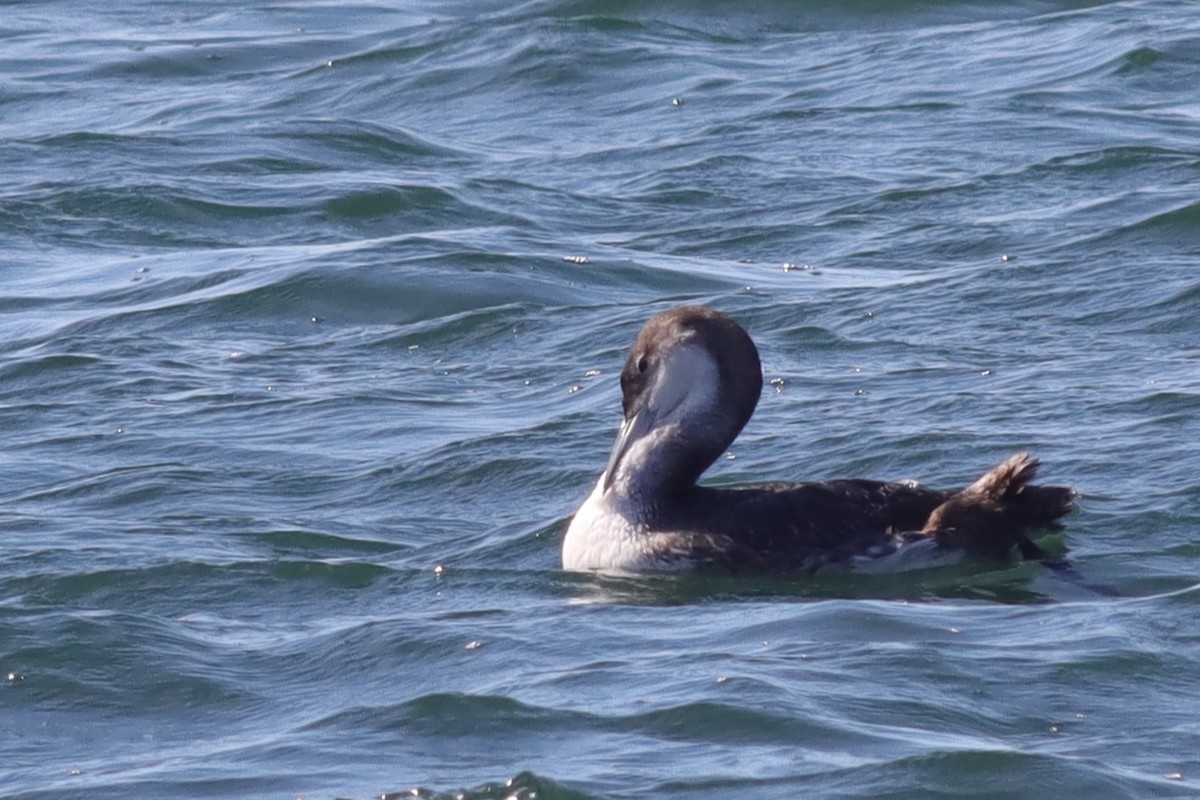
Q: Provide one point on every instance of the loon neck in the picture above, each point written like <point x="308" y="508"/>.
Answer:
<point x="690" y="384"/>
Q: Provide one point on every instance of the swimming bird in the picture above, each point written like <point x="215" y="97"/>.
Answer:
<point x="690" y="384"/>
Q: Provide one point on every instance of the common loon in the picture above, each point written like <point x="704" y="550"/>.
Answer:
<point x="690" y="384"/>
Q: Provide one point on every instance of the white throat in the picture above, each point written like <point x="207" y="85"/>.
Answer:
<point x="679" y="402"/>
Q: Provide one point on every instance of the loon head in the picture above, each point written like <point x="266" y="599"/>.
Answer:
<point x="690" y="384"/>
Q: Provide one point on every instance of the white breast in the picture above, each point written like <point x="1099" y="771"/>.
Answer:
<point x="599" y="537"/>
<point x="603" y="536"/>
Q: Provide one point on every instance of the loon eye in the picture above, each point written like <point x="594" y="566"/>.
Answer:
<point x="642" y="364"/>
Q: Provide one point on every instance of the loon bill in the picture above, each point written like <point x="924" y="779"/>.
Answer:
<point x="690" y="384"/>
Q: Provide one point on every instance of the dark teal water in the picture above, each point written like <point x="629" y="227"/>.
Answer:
<point x="299" y="302"/>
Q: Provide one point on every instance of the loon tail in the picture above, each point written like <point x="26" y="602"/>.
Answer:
<point x="997" y="512"/>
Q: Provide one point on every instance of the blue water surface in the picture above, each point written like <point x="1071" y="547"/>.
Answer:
<point x="311" y="317"/>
